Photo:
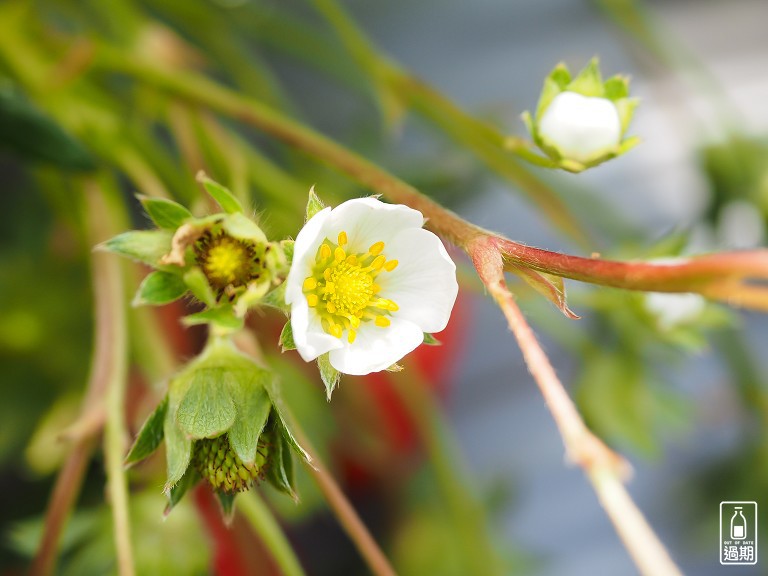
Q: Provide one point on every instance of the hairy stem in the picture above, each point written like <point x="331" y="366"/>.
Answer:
<point x="264" y="524"/>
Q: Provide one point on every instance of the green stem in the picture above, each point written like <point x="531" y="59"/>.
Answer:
<point x="264" y="524"/>
<point x="115" y="428"/>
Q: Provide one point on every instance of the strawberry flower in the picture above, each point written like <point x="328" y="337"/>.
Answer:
<point x="366" y="283"/>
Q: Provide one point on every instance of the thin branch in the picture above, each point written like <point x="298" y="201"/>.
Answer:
<point x="264" y="524"/>
<point x="108" y="304"/>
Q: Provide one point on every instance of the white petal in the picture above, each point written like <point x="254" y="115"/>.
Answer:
<point x="304" y="251"/>
<point x="377" y="348"/>
<point x="367" y="221"/>
<point x="580" y="127"/>
<point x="424" y="283"/>
<point x="308" y="334"/>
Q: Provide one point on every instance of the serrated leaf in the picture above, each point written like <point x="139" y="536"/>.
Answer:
<point x="550" y="286"/>
<point x="253" y="408"/>
<point x="221" y="195"/>
<point x="222" y="317"/>
<point x="147" y="246"/>
<point x="314" y="204"/>
<point x="329" y="375"/>
<point x="160" y="288"/>
<point x="430" y="340"/>
<point x="165" y="213"/>
<point x="178" y="447"/>
<point x="227" y="503"/>
<point x="31" y="135"/>
<point x="588" y="82"/>
<point x="286" y="338"/>
<point x="207" y="409"/>
<point x="280" y="471"/>
<point x="195" y="279"/>
<point x="176" y="493"/>
<point x="150" y="436"/>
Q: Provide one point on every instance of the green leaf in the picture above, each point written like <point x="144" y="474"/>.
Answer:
<point x="31" y="135"/>
<point x="253" y="408"/>
<point x="227" y="502"/>
<point x="207" y="409"/>
<point x="176" y="493"/>
<point x="223" y="317"/>
<point x="197" y="282"/>
<point x="430" y="340"/>
<point x="286" y="338"/>
<point x="314" y="204"/>
<point x="160" y="288"/>
<point x="178" y="447"/>
<point x="280" y="470"/>
<point x="588" y="82"/>
<point x="165" y="213"/>
<point x="150" y="435"/>
<point x="328" y="374"/>
<point x="147" y="246"/>
<point x="221" y="195"/>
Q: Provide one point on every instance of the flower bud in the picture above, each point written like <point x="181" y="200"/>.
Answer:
<point x="581" y="122"/>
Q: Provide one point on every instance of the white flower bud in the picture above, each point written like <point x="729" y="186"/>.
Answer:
<point x="581" y="128"/>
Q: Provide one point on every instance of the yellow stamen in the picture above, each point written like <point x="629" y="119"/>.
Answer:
<point x="391" y="265"/>
<point x="378" y="262"/>
<point x="312" y="300"/>
<point x="309" y="284"/>
<point x="342" y="238"/>
<point x="351" y="335"/>
<point x="336" y="330"/>
<point x="339" y="255"/>
<point x="330" y="307"/>
<point x="376" y="248"/>
<point x="382" y="321"/>
<point x="324" y="253"/>
<point x="376" y="288"/>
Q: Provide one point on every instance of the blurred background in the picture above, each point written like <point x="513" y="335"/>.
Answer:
<point x="454" y="463"/>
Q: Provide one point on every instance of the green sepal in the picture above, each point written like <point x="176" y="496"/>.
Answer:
<point x="253" y="408"/>
<point x="276" y="299"/>
<point x="195" y="279"/>
<point x="176" y="493"/>
<point x="160" y="288"/>
<point x="430" y="340"/>
<point x="222" y="317"/>
<point x="627" y="145"/>
<point x="626" y="108"/>
<point x="150" y="436"/>
<point x="280" y="469"/>
<point x="239" y="226"/>
<point x="278" y="412"/>
<point x="207" y="409"/>
<point x="178" y="447"/>
<point x="329" y="375"/>
<point x="287" y="247"/>
<point x="147" y="246"/>
<point x="548" y="285"/>
<point x="314" y="204"/>
<point x="286" y="338"/>
<point x="227" y="503"/>
<point x="560" y="75"/>
<point x="588" y="82"/>
<point x="221" y="195"/>
<point x="253" y="296"/>
<point x="165" y="213"/>
<point x="548" y="93"/>
<point x="616" y="87"/>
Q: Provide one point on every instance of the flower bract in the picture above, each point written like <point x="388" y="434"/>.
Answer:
<point x="366" y="282"/>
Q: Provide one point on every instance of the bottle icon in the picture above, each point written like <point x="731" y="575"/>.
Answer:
<point x="738" y="524"/>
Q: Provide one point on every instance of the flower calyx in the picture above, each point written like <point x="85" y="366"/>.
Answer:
<point x="581" y="121"/>
<point x="221" y="422"/>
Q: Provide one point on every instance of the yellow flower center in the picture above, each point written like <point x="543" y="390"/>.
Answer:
<point x="226" y="261"/>
<point x="343" y="290"/>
